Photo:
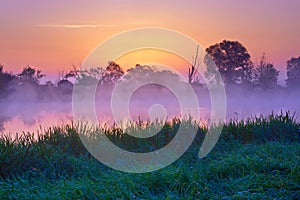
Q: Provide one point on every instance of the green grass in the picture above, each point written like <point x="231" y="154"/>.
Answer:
<point x="257" y="158"/>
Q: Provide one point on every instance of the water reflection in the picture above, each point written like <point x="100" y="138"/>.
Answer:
<point x="16" y="116"/>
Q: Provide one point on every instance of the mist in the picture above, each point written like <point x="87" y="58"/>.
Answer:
<point x="31" y="108"/>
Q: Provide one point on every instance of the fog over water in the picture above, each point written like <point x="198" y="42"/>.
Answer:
<point x="143" y="93"/>
<point x="23" y="111"/>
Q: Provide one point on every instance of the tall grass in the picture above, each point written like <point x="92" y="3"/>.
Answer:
<point x="53" y="152"/>
<point x="274" y="127"/>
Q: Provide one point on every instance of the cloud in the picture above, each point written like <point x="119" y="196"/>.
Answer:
<point x="74" y="26"/>
<point x="82" y="26"/>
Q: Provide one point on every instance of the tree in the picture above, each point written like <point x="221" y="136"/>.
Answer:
<point x="112" y="74"/>
<point x="193" y="69"/>
<point x="293" y="72"/>
<point x="65" y="85"/>
<point x="7" y="81"/>
<point x="85" y="76"/>
<point x="265" y="74"/>
<point x="108" y="76"/>
<point x="233" y="62"/>
<point x="30" y="75"/>
<point x="141" y="73"/>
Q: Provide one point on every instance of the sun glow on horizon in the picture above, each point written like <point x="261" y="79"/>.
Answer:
<point x="54" y="36"/>
<point x="148" y="56"/>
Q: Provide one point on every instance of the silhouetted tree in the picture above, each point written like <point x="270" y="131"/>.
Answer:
<point x="65" y="84"/>
<point x="90" y="76"/>
<point x="265" y="74"/>
<point x="193" y="69"/>
<point x="233" y="62"/>
<point x="293" y="72"/>
<point x="7" y="81"/>
<point x="95" y="73"/>
<point x="112" y="74"/>
<point x="83" y="76"/>
<point x="141" y="73"/>
<point x="108" y="76"/>
<point x="30" y="75"/>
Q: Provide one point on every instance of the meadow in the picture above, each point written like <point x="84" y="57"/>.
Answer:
<point x="255" y="158"/>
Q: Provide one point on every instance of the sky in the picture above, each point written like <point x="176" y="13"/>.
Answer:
<point x="55" y="35"/>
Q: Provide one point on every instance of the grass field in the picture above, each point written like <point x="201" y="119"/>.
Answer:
<point x="256" y="158"/>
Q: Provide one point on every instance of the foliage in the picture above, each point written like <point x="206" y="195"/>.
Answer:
<point x="65" y="85"/>
<point x="108" y="76"/>
<point x="141" y="73"/>
<point x="86" y="76"/>
<point x="232" y="60"/>
<point x="112" y="74"/>
<point x="266" y="76"/>
<point x="6" y="82"/>
<point x="30" y="75"/>
<point x="293" y="72"/>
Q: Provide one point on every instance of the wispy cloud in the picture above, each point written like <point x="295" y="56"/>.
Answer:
<point x="74" y="26"/>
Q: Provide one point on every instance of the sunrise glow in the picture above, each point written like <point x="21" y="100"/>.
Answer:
<point x="53" y="36"/>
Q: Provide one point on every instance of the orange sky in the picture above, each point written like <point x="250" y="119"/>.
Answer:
<point x="54" y="35"/>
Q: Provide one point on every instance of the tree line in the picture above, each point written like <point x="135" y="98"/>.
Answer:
<point x="230" y="57"/>
<point x="234" y="63"/>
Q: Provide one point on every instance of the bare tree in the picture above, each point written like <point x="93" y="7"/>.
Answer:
<point x="194" y="68"/>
